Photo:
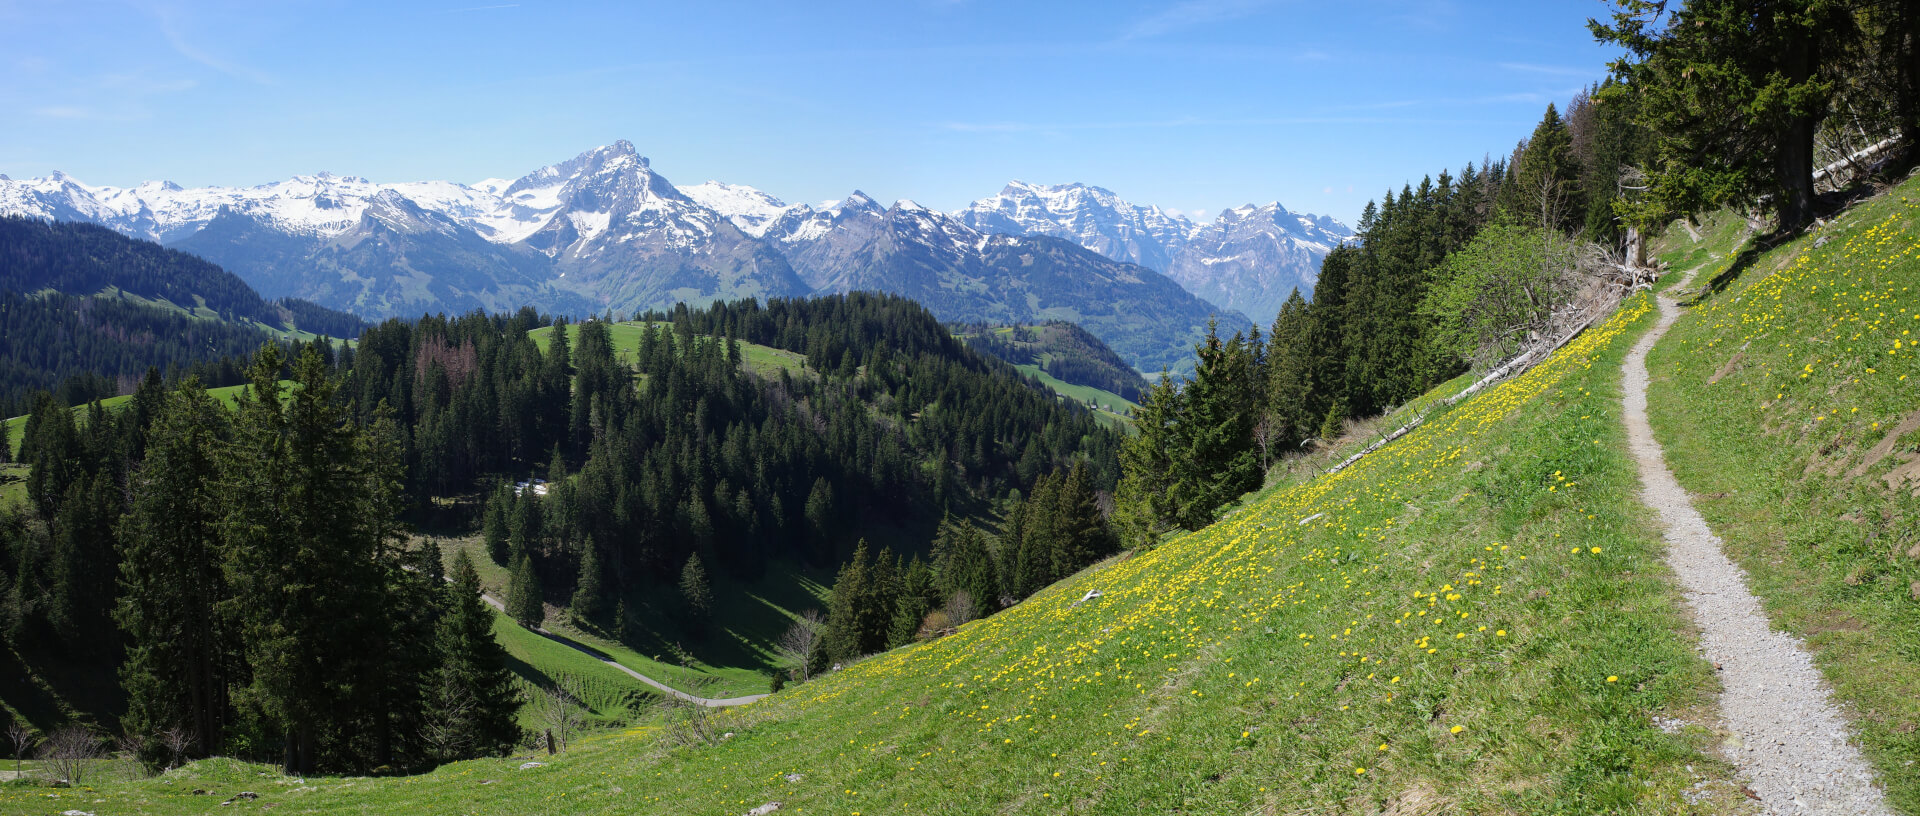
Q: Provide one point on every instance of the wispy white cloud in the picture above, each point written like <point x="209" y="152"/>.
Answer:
<point x="141" y="84"/>
<point x="82" y="113"/>
<point x="1517" y="98"/>
<point x="63" y="112"/>
<point x="1146" y="124"/>
<point x="170" y="29"/>
<point x="1550" y="70"/>
<point x="1189" y="14"/>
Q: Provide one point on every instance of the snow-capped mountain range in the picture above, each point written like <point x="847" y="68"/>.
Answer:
<point x="604" y="231"/>
<point x="1248" y="258"/>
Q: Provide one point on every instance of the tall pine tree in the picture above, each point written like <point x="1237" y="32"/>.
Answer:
<point x="181" y="654"/>
<point x="524" y="601"/>
<point x="475" y="700"/>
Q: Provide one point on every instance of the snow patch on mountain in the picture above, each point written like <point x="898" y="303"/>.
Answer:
<point x="753" y="211"/>
<point x="1249" y="258"/>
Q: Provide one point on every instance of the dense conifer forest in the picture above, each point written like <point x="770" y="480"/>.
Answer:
<point x="1063" y="350"/>
<point x="268" y="534"/>
<point x="86" y="311"/>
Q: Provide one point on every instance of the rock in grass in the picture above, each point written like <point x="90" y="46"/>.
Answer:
<point x="765" y="809"/>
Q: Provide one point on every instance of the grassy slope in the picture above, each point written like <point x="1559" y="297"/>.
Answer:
<point x="226" y="395"/>
<point x="612" y="698"/>
<point x="729" y="661"/>
<point x="1769" y="451"/>
<point x="13" y="485"/>
<point x="626" y="338"/>
<point x="1113" y="408"/>
<point x="1720" y="235"/>
<point x="1479" y="619"/>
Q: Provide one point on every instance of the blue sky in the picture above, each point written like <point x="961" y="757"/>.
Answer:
<point x="1194" y="105"/>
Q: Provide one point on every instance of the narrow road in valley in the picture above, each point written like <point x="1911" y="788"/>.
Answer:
<point x="1790" y="742"/>
<point x="608" y="659"/>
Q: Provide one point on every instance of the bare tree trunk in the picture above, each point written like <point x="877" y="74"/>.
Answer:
<point x="1794" y="171"/>
<point x="1793" y="157"/>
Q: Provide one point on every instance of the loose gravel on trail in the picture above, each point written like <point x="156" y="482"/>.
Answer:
<point x="1790" y="742"/>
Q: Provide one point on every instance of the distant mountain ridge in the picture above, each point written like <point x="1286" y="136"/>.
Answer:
<point x="1248" y="258"/>
<point x="604" y="232"/>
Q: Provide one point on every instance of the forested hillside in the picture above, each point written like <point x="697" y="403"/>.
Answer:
<point x="87" y="311"/>
<point x="1497" y="604"/>
<point x="1451" y="273"/>
<point x="1064" y="351"/>
<point x="726" y="439"/>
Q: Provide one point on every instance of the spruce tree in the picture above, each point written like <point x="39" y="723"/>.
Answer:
<point x="696" y="593"/>
<point x="476" y="702"/>
<point x="493" y="524"/>
<point x="1290" y="377"/>
<point x="1081" y="530"/>
<point x="1143" y="501"/>
<point x="180" y="653"/>
<point x="311" y="563"/>
<point x="969" y="567"/>
<point x="524" y="601"/>
<point x="1214" y="461"/>
<point x="590" y="591"/>
<point x="527" y="525"/>
<point x="914" y="600"/>
<point x="849" y="612"/>
<point x="84" y="560"/>
<point x="1035" y="550"/>
<point x="1735" y="91"/>
<point x="1546" y="192"/>
<point x="819" y="511"/>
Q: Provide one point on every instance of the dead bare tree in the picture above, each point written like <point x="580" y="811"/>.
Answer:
<point x="176" y="740"/>
<point x="1265" y="433"/>
<point x="125" y="757"/>
<point x="796" y="645"/>
<point x="449" y="732"/>
<point x="684" y="721"/>
<point x="960" y="609"/>
<point x="71" y="752"/>
<point x="22" y="737"/>
<point x="560" y="710"/>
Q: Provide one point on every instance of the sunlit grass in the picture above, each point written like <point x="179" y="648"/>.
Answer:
<point x="1769" y="398"/>
<point x="1475" y="618"/>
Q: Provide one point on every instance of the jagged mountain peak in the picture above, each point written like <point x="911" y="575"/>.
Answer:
<point x="607" y="160"/>
<point x="604" y="227"/>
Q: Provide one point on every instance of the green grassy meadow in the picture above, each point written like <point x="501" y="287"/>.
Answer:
<point x="1473" y="620"/>
<point x="1789" y="405"/>
<point x="227" y="395"/>
<point x="625" y="335"/>
<point x="1113" y="408"/>
<point x="731" y="659"/>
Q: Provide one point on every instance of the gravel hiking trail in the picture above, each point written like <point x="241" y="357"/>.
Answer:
<point x="1789" y="742"/>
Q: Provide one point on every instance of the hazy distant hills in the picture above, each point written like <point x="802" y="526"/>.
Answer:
<point x="603" y="231"/>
